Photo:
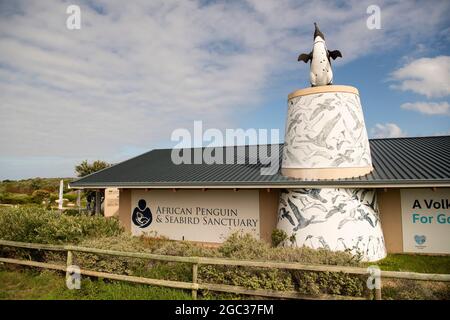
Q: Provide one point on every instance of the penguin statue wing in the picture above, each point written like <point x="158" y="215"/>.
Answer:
<point x="305" y="57"/>
<point x="334" y="54"/>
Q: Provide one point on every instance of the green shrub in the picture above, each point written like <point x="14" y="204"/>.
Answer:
<point x="245" y="246"/>
<point x="173" y="271"/>
<point x="74" y="212"/>
<point x="39" y="196"/>
<point x="53" y="197"/>
<point x="35" y="224"/>
<point x="27" y="186"/>
<point x="248" y="277"/>
<point x="187" y="249"/>
<point x="238" y="246"/>
<point x="15" y="198"/>
<point x="141" y="267"/>
<point x="278" y="237"/>
<point x="252" y="278"/>
<point x="336" y="283"/>
<point x="121" y="242"/>
<point x="402" y="289"/>
<point x="105" y="263"/>
<point x="72" y="197"/>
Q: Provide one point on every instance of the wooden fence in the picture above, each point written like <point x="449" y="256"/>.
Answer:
<point x="194" y="286"/>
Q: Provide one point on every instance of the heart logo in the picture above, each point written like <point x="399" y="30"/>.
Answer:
<point x="420" y="239"/>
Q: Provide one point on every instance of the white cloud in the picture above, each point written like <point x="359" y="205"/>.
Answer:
<point x="425" y="76"/>
<point x="135" y="72"/>
<point x="387" y="130"/>
<point x="429" y="108"/>
<point x="442" y="133"/>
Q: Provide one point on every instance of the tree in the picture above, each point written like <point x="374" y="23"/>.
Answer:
<point x="85" y="168"/>
<point x="36" y="184"/>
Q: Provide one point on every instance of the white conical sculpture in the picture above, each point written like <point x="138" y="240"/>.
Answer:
<point x="326" y="138"/>
<point x="334" y="219"/>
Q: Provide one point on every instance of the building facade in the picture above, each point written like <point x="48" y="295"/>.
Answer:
<point x="207" y="202"/>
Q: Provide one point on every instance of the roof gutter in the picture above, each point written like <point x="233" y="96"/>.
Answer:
<point x="268" y="186"/>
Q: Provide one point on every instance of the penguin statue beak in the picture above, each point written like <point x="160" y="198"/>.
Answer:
<point x="317" y="32"/>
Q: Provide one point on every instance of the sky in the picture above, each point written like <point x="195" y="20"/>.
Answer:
<point x="138" y="70"/>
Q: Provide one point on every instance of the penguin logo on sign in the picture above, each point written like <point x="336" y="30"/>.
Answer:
<point x="142" y="216"/>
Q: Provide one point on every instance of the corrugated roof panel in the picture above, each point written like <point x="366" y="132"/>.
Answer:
<point x="408" y="161"/>
<point x="442" y="164"/>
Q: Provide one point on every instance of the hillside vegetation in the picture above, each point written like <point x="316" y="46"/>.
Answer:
<point x="35" y="191"/>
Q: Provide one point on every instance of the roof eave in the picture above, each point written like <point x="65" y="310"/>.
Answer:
<point x="264" y="185"/>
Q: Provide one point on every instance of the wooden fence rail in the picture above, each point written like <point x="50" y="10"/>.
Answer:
<point x="194" y="286"/>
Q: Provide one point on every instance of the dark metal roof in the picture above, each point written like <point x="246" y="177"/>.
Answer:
<point x="409" y="162"/>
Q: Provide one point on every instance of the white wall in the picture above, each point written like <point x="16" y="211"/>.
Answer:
<point x="426" y="220"/>
<point x="184" y="214"/>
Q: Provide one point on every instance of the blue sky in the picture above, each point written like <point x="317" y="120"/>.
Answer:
<point x="135" y="72"/>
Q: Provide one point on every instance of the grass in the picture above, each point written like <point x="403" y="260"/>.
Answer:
<point x="415" y="263"/>
<point x="48" y="285"/>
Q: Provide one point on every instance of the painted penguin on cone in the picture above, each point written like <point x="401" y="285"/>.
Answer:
<point x="320" y="73"/>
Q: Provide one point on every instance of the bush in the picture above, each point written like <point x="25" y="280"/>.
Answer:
<point x="15" y="198"/>
<point x="105" y="263"/>
<point x="278" y="237"/>
<point x="53" y="197"/>
<point x="248" y="277"/>
<point x="71" y="197"/>
<point x="39" y="196"/>
<point x="402" y="289"/>
<point x="141" y="267"/>
<point x="246" y="247"/>
<point x="239" y="246"/>
<point x="76" y="212"/>
<point x="187" y="249"/>
<point x="27" y="186"/>
<point x="35" y="224"/>
<point x="252" y="278"/>
<point x="336" y="283"/>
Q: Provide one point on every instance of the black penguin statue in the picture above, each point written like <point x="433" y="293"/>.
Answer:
<point x="320" y="73"/>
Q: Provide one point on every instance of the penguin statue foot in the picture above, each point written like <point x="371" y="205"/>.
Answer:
<point x="328" y="84"/>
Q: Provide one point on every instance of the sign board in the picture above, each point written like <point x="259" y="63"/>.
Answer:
<point x="426" y="220"/>
<point x="194" y="215"/>
<point x="111" y="202"/>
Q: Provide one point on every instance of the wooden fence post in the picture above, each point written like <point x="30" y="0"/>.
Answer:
<point x="69" y="262"/>
<point x="378" y="294"/>
<point x="194" y="279"/>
